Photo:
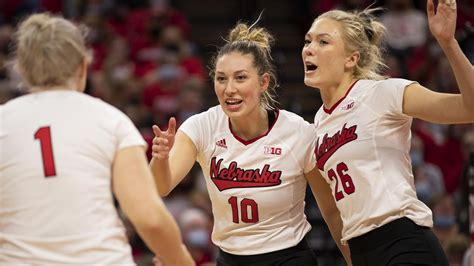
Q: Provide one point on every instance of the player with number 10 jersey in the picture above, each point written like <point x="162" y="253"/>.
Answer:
<point x="257" y="187"/>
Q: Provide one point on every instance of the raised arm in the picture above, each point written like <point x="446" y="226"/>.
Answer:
<point x="174" y="154"/>
<point x="327" y="206"/>
<point x="135" y="191"/>
<point x="440" y="108"/>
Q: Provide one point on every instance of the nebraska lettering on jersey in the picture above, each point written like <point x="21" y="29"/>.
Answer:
<point x="235" y="177"/>
<point x="329" y="145"/>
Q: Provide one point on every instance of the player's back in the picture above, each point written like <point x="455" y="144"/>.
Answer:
<point x="56" y="204"/>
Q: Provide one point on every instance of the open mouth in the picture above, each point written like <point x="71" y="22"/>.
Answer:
<point x="310" y="67"/>
<point x="233" y="102"/>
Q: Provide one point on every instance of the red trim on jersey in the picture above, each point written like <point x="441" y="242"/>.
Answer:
<point x="329" y="111"/>
<point x="228" y="184"/>
<point x="247" y="142"/>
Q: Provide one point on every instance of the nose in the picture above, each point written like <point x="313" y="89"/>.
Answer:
<point x="308" y="50"/>
<point x="230" y="87"/>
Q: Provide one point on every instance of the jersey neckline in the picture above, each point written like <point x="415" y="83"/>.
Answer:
<point x="250" y="141"/>
<point x="333" y="107"/>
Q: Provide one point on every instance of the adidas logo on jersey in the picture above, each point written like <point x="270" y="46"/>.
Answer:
<point x="221" y="143"/>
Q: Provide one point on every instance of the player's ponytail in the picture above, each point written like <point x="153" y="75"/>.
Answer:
<point x="49" y="50"/>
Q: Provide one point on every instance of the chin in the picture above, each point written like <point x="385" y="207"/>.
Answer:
<point x="310" y="83"/>
<point x="233" y="114"/>
<point x="230" y="113"/>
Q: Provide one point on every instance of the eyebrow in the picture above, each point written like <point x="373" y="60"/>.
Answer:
<point x="235" y="72"/>
<point x="318" y="35"/>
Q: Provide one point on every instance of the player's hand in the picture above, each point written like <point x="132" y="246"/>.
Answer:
<point x="185" y="260"/>
<point x="163" y="140"/>
<point x="442" y="21"/>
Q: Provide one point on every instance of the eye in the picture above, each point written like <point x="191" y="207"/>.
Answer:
<point x="307" y="42"/>
<point x="220" y="79"/>
<point x="241" y="77"/>
<point x="323" y="42"/>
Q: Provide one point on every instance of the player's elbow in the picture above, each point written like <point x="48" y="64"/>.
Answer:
<point x="151" y="224"/>
<point x="163" y="191"/>
<point x="330" y="213"/>
<point x="153" y="228"/>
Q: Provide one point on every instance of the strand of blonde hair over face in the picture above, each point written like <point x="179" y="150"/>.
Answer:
<point x="256" y="42"/>
<point x="49" y="50"/>
<point x="361" y="32"/>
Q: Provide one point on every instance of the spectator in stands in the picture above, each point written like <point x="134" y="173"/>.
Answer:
<point x="406" y="30"/>
<point x="429" y="181"/>
<point x="446" y="228"/>
<point x="196" y="226"/>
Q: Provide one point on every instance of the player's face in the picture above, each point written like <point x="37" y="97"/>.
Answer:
<point x="238" y="85"/>
<point x="324" y="56"/>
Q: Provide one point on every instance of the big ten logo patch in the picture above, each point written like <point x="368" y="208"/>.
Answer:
<point x="348" y="106"/>
<point x="272" y="150"/>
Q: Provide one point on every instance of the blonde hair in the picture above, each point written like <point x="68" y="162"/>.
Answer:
<point x="256" y="42"/>
<point x="49" y="50"/>
<point x="363" y="34"/>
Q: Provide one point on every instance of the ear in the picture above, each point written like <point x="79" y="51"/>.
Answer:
<point x="352" y="59"/>
<point x="264" y="82"/>
<point x="83" y="69"/>
<point x="81" y="75"/>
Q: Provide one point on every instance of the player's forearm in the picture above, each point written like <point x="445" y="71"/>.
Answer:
<point x="334" y="223"/>
<point x="463" y="71"/>
<point x="160" y="169"/>
<point x="164" y="239"/>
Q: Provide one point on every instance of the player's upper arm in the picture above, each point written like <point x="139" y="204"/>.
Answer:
<point x="134" y="187"/>
<point x="435" y="107"/>
<point x="322" y="193"/>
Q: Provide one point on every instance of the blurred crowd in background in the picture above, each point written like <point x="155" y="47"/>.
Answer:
<point x="147" y="65"/>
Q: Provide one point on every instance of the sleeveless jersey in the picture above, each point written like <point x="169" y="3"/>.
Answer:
<point x="56" y="204"/>
<point x="257" y="187"/>
<point x="362" y="149"/>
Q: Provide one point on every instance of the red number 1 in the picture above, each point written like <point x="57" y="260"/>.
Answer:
<point x="43" y="134"/>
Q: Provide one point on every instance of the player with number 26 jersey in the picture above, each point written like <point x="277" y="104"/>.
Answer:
<point x="369" y="144"/>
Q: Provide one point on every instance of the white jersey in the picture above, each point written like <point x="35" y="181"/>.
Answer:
<point x="56" y="204"/>
<point x="363" y="153"/>
<point x="257" y="187"/>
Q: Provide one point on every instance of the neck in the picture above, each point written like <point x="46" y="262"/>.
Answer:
<point x="331" y="94"/>
<point x="69" y="86"/>
<point x="250" y="127"/>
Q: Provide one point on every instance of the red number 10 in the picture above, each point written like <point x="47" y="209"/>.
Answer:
<point x="244" y="212"/>
<point x="43" y="134"/>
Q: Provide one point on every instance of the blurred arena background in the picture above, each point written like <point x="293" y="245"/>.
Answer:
<point x="151" y="57"/>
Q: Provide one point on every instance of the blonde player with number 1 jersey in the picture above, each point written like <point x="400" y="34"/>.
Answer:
<point x="63" y="155"/>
